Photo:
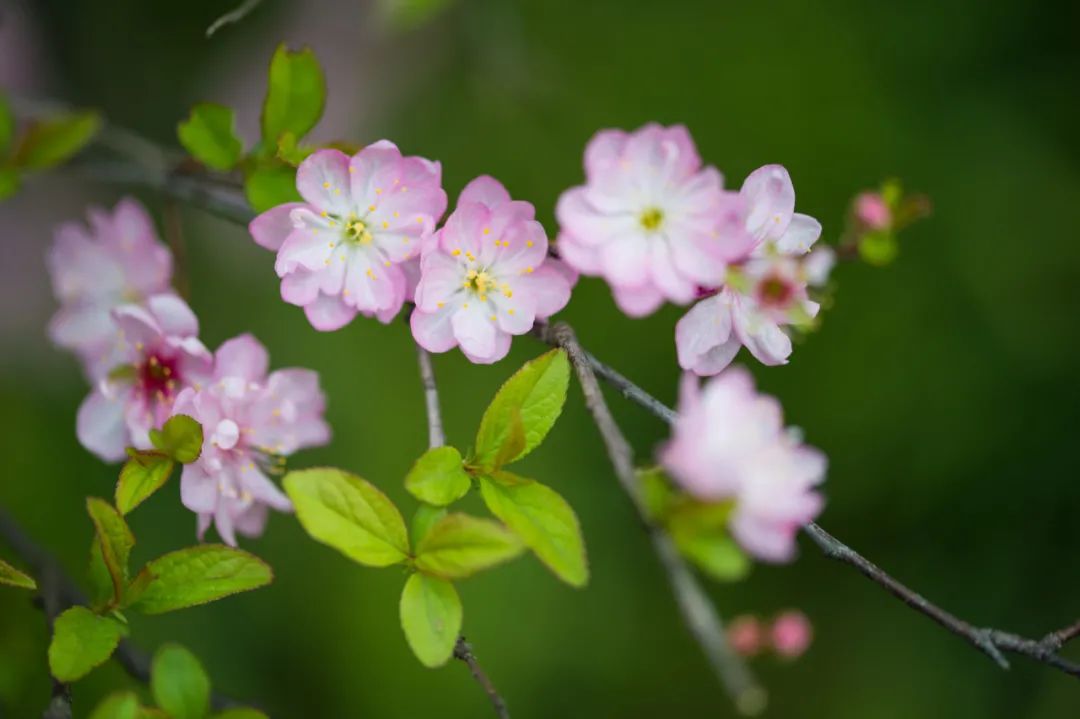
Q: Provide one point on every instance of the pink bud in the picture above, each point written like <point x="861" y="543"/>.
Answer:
<point x="745" y="635"/>
<point x="791" y="634"/>
<point x="872" y="211"/>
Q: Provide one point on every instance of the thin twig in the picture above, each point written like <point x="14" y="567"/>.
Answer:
<point x="58" y="586"/>
<point x="699" y="613"/>
<point x="437" y="438"/>
<point x="233" y="16"/>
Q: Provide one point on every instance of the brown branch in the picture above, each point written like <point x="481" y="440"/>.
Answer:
<point x="698" y="612"/>
<point x="463" y="651"/>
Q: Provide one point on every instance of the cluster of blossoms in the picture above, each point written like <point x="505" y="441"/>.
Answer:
<point x="138" y="344"/>
<point x="788" y="636"/>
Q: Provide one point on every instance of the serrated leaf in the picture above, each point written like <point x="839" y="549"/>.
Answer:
<point x="431" y="617"/>
<point x="12" y="577"/>
<point x="50" y="142"/>
<point x="426" y="516"/>
<point x="295" y="94"/>
<point x="119" y="705"/>
<point x="537" y="393"/>
<point x="271" y="185"/>
<point x="102" y="591"/>
<point x="7" y="126"/>
<point x="116" y="541"/>
<point x="142" y="475"/>
<point x="458" y="546"/>
<point x="197" y="575"/>
<point x="349" y="514"/>
<point x="438" y="477"/>
<point x="209" y="134"/>
<point x="81" y="641"/>
<point x="179" y="683"/>
<point x="543" y="519"/>
<point x="181" y="437"/>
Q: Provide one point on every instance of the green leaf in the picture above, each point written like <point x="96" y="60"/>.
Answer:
<point x="12" y="577"/>
<point x="9" y="182"/>
<point x="406" y="15"/>
<point x="181" y="437"/>
<point x="349" y="514"/>
<point x="431" y="618"/>
<point x="514" y="444"/>
<point x="537" y="392"/>
<point x="197" y="575"/>
<point x="116" y="541"/>
<point x="700" y="531"/>
<point x="102" y="591"/>
<point x="879" y="248"/>
<point x="119" y="705"/>
<point x="7" y="126"/>
<point x="295" y="94"/>
<point x="458" y="546"/>
<point x="426" y="517"/>
<point x="209" y="134"/>
<point x="240" y="713"/>
<point x="656" y="492"/>
<point x="81" y="641"/>
<point x="270" y="186"/>
<point x="544" y="521"/>
<point x="438" y="477"/>
<point x="50" y="142"/>
<point x="290" y="152"/>
<point x="179" y="683"/>
<point x="142" y="475"/>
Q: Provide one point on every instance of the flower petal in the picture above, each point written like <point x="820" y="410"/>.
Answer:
<point x="323" y="180"/>
<point x="272" y="228"/>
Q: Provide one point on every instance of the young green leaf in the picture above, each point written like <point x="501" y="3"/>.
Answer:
<point x="348" y="514"/>
<point x="544" y="521"/>
<point x="179" y="683"/>
<point x="209" y="134"/>
<point x="240" y="713"/>
<point x="12" y="577"/>
<point x="119" y="705"/>
<point x="181" y="437"/>
<point x="295" y="94"/>
<point x="50" y="142"/>
<point x="271" y="185"/>
<point x="431" y="618"/>
<point x="514" y="443"/>
<point x="197" y="575"/>
<point x="438" y="477"/>
<point x="458" y="546"/>
<point x="81" y="641"/>
<point x="142" y="475"/>
<point x="7" y="126"/>
<point x="537" y="392"/>
<point x="116" y="541"/>
<point x="102" y="591"/>
<point x="427" y="515"/>
<point x="290" y="152"/>
<point x="656" y="491"/>
<point x="700" y="531"/>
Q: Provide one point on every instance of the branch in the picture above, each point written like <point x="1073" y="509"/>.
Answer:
<point x="698" y="612"/>
<point x="233" y="16"/>
<point x="437" y="438"/>
<point x="58" y="593"/>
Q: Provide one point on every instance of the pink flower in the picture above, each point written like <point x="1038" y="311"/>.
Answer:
<point x="745" y="635"/>
<point x="250" y="422"/>
<point x="872" y="211"/>
<point x="159" y="355"/>
<point x="487" y="276"/>
<point x="766" y="292"/>
<point x="791" y="634"/>
<point x="340" y="252"/>
<point x="116" y="260"/>
<point x="729" y="442"/>
<point x="650" y="219"/>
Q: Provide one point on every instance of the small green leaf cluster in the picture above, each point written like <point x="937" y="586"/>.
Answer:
<point x="181" y="690"/>
<point x="699" y="529"/>
<point x="85" y="637"/>
<point x="295" y="97"/>
<point x="42" y="145"/>
<point x="881" y="246"/>
<point x="440" y="546"/>
<point x="12" y="577"/>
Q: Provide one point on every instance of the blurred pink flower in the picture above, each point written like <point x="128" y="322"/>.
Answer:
<point x="872" y="211"/>
<point x="250" y="422"/>
<point x="745" y="635"/>
<point x="487" y="276"/>
<point x="159" y="354"/>
<point x="117" y="260"/>
<point x="650" y="219"/>
<point x="729" y="442"/>
<point x="340" y="251"/>
<point x="791" y="634"/>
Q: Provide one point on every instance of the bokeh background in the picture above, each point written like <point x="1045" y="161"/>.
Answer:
<point x="944" y="388"/>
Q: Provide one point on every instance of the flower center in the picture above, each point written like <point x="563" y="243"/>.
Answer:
<point x="158" y="376"/>
<point x="357" y="231"/>
<point x="479" y="282"/>
<point x="775" y="291"/>
<point x="652" y="218"/>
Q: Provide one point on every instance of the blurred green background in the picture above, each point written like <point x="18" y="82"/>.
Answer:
<point x="943" y="388"/>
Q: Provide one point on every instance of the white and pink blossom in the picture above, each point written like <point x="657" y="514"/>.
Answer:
<point x="116" y="260"/>
<point x="730" y="443"/>
<point x="158" y="352"/>
<point x="251" y="421"/>
<point x="649" y="219"/>
<point x="341" y="251"/>
<point x="487" y="276"/>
